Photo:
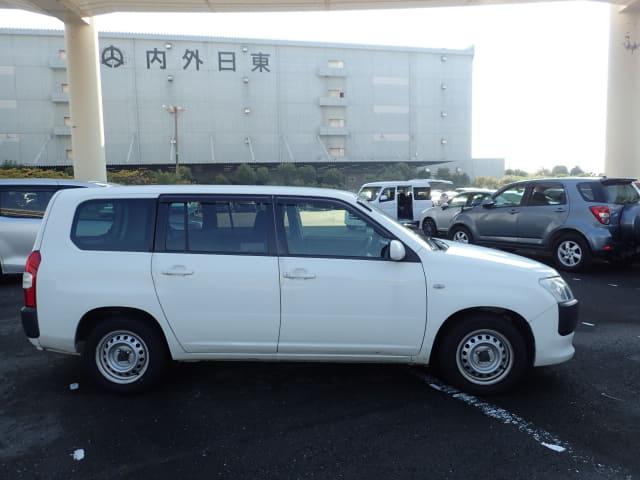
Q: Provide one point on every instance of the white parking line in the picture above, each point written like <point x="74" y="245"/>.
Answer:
<point x="544" y="438"/>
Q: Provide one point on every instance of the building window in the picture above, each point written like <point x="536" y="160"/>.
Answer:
<point x="336" y="93"/>
<point x="64" y="87"/>
<point x="69" y="154"/>
<point x="336" y="122"/>
<point x="336" y="152"/>
<point x="62" y="53"/>
<point x="67" y="121"/>
<point x="335" y="64"/>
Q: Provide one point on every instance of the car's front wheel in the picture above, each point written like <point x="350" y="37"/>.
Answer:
<point x="461" y="234"/>
<point x="482" y="354"/>
<point x="571" y="253"/>
<point x="429" y="227"/>
<point x="125" y="355"/>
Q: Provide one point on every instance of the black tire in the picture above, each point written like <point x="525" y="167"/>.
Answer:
<point x="482" y="354"/>
<point x="461" y="234"/>
<point x="429" y="227"/>
<point x="571" y="253"/>
<point x="126" y="355"/>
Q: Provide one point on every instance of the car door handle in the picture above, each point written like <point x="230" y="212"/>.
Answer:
<point x="560" y="209"/>
<point x="178" y="270"/>
<point x="299" y="274"/>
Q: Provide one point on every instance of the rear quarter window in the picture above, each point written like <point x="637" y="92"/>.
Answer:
<point x="616" y="193"/>
<point x="124" y="225"/>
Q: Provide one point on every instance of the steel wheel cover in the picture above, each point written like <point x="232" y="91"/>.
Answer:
<point x="122" y="356"/>
<point x="461" y="236"/>
<point x="569" y="253"/>
<point x="484" y="357"/>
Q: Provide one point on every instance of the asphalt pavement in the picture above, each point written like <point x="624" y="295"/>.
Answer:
<point x="242" y="420"/>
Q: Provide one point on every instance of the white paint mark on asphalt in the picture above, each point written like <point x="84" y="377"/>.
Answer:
<point x="613" y="284"/>
<point x="577" y="279"/>
<point x="589" y="324"/>
<point x="556" y="448"/>
<point x="74" y="386"/>
<point x="78" y="454"/>
<point x="611" y="397"/>
<point x="544" y="438"/>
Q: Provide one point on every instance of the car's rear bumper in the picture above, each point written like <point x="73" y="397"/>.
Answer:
<point x="30" y="322"/>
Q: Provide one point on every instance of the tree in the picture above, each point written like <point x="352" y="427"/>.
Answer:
<point x="287" y="173"/>
<point x="485" y="182"/>
<point x="443" y="173"/>
<point x="576" y="171"/>
<point x="245" y="175"/>
<point x="332" y="178"/>
<point x="460" y="179"/>
<point x="263" y="176"/>
<point x="221" y="180"/>
<point x="559" y="170"/>
<point x="543" y="172"/>
<point x="307" y="174"/>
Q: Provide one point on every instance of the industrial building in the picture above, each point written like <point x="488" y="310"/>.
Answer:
<point x="219" y="102"/>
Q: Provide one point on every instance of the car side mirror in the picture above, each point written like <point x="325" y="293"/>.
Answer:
<point x="488" y="202"/>
<point x="397" y="251"/>
<point x="444" y="206"/>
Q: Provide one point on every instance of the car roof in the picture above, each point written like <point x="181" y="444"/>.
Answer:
<point x="603" y="180"/>
<point x="48" y="182"/>
<point x="249" y="190"/>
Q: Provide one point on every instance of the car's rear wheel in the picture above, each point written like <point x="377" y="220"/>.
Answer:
<point x="429" y="227"/>
<point x="461" y="234"/>
<point x="482" y="354"/>
<point x="571" y="253"/>
<point x="126" y="355"/>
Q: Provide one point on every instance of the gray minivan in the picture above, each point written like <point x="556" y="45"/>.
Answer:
<point x="22" y="205"/>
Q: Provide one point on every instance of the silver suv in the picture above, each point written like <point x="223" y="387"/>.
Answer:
<point x="574" y="219"/>
<point x="22" y="205"/>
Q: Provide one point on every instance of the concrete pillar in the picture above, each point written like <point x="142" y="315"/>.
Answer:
<point x="622" y="157"/>
<point x="85" y="101"/>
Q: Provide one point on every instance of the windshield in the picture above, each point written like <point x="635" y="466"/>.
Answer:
<point x="369" y="193"/>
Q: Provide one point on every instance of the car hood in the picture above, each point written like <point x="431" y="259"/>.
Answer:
<point x="491" y="259"/>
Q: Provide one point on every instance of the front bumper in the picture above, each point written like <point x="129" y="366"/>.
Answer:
<point x="567" y="317"/>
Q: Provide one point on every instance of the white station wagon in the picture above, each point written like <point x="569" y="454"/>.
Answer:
<point x="131" y="277"/>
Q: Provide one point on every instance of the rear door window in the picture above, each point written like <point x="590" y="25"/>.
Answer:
<point x="218" y="225"/>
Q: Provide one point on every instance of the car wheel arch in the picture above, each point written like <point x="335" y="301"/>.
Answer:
<point x="512" y="317"/>
<point x="557" y="234"/>
<point x="92" y="318"/>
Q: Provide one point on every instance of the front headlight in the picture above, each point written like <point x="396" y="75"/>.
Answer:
<point x="558" y="288"/>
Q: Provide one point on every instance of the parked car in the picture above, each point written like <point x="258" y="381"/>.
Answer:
<point x="274" y="273"/>
<point x="22" y="205"/>
<point x="402" y="200"/>
<point x="574" y="219"/>
<point x="436" y="220"/>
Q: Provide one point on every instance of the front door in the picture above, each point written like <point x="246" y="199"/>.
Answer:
<point x="499" y="223"/>
<point x="340" y="293"/>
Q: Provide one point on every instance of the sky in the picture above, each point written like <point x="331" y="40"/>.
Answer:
<point x="539" y="70"/>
